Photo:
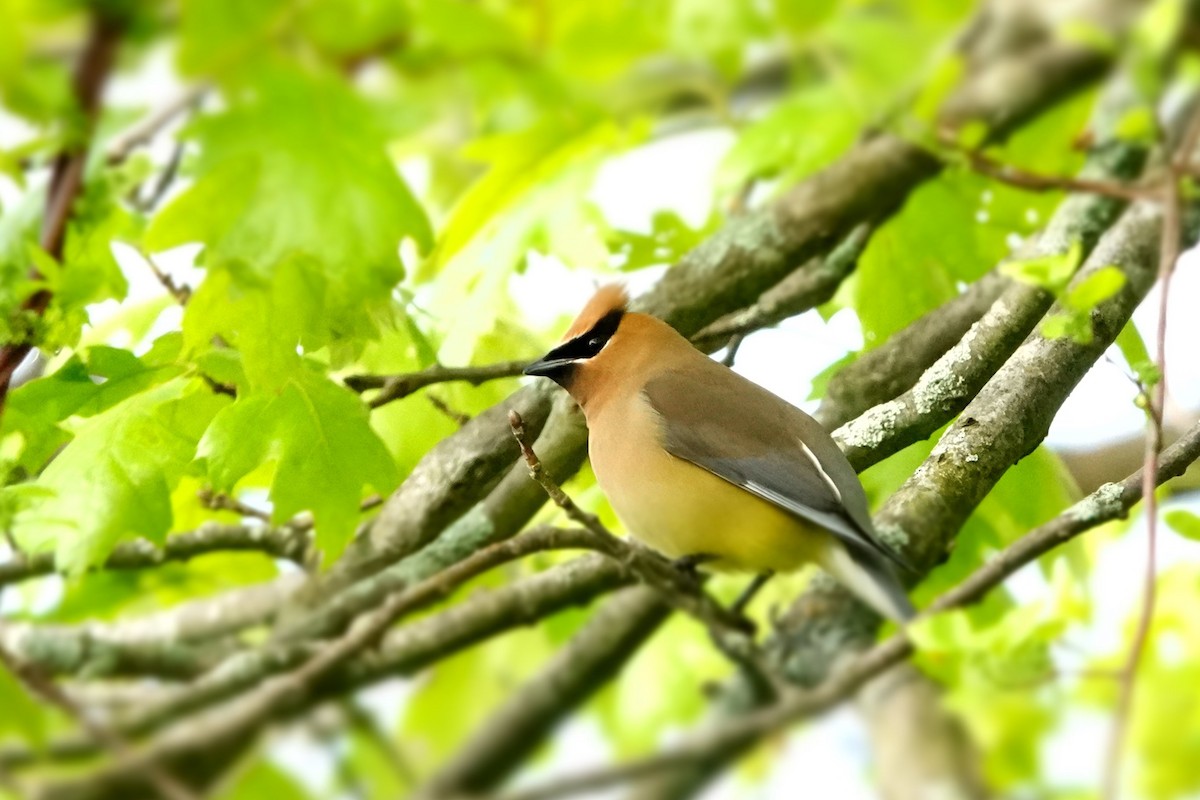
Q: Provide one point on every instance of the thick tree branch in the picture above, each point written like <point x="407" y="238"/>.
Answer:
<point x="882" y="373"/>
<point x="90" y="652"/>
<point x="952" y="370"/>
<point x="941" y="760"/>
<point x="806" y="288"/>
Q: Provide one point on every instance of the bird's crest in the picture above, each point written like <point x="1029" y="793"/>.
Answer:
<point x="607" y="299"/>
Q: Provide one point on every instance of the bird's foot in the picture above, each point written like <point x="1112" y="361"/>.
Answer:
<point x="748" y="594"/>
<point x="688" y="564"/>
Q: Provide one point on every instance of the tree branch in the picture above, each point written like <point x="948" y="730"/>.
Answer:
<point x="882" y="373"/>
<point x="149" y="126"/>
<point x="805" y="288"/>
<point x="284" y="542"/>
<point x="395" y="387"/>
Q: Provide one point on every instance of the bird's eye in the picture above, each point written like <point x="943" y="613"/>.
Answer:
<point x="595" y="343"/>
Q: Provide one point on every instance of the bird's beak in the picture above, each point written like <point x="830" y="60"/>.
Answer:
<point x="548" y="366"/>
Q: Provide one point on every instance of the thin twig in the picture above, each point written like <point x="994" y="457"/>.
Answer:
<point x="166" y="177"/>
<point x="395" y="387"/>
<point x="1037" y="182"/>
<point x="458" y="417"/>
<point x="1156" y="403"/>
<point x="217" y="501"/>
<point x="149" y="126"/>
<point x="181" y="293"/>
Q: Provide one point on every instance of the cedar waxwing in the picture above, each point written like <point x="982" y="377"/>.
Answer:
<point x="709" y="468"/>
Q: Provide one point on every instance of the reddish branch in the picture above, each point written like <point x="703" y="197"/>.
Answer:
<point x="66" y="179"/>
<point x="1037" y="182"/>
<point x="1156" y="401"/>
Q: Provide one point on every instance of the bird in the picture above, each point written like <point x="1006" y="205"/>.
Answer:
<point x="710" y="469"/>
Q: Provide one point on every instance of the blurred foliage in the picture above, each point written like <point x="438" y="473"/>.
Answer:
<point x="375" y="186"/>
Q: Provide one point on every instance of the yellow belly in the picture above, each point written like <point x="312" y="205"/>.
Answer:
<point x="680" y="509"/>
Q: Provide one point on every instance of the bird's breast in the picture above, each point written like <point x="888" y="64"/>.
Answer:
<point x="680" y="509"/>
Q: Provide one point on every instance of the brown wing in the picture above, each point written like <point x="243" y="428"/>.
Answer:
<point x="740" y="432"/>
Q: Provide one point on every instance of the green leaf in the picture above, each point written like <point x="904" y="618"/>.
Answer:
<point x="1137" y="125"/>
<point x="463" y="29"/>
<point x="90" y="272"/>
<point x="114" y="480"/>
<point x="78" y="388"/>
<point x="1072" y="325"/>
<point x="1051" y="272"/>
<point x="1095" y="289"/>
<point x="532" y="192"/>
<point x="677" y="662"/>
<point x="785" y="143"/>
<point x="1089" y="34"/>
<point x="716" y="31"/>
<point x="1133" y="348"/>
<point x="669" y="239"/>
<point x="802" y="16"/>
<point x="460" y="691"/>
<point x="1185" y="523"/>
<point x="352" y="29"/>
<point x="294" y="178"/>
<point x="325" y="447"/>
<point x="261" y="780"/>
<point x="23" y="715"/>
<point x="218" y="36"/>
<point x="914" y="262"/>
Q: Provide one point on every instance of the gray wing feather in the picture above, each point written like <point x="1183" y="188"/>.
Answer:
<point x="740" y="432"/>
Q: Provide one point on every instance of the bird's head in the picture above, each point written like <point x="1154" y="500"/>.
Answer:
<point x="609" y="348"/>
<point x="581" y="346"/>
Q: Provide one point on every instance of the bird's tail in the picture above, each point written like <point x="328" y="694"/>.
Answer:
<point x="870" y="577"/>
